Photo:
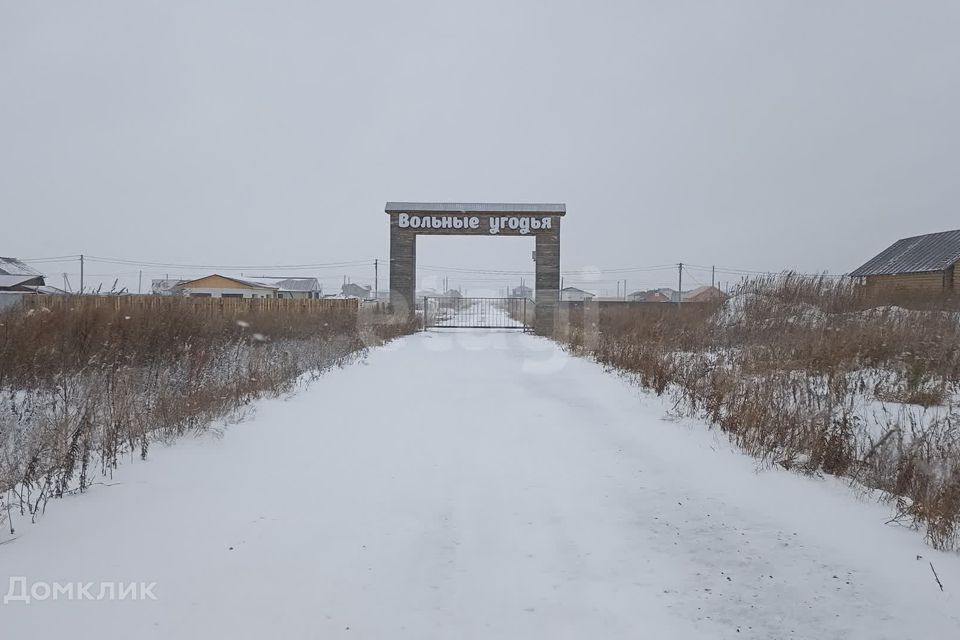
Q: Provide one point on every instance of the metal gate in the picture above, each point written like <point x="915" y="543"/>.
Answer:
<point x="476" y="313"/>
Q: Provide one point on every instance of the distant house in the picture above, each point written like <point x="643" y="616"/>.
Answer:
<point x="294" y="288"/>
<point x="217" y="286"/>
<point x="18" y="280"/>
<point x="654" y="295"/>
<point x="671" y="294"/>
<point x="924" y="263"/>
<point x="352" y="290"/>
<point x="165" y="287"/>
<point x="704" y="294"/>
<point x="573" y="294"/>
<point x="523" y="291"/>
<point x="17" y="276"/>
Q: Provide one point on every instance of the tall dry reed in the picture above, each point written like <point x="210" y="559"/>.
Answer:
<point x="83" y="386"/>
<point x="814" y="374"/>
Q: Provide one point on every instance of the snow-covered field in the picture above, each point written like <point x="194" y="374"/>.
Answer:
<point x="475" y="485"/>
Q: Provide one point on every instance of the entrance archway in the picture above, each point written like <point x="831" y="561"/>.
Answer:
<point x="541" y="220"/>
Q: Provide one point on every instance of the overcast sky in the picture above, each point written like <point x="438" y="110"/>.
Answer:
<point x="757" y="135"/>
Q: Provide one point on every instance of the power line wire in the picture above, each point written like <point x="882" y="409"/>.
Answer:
<point x="584" y="271"/>
<point x="174" y="265"/>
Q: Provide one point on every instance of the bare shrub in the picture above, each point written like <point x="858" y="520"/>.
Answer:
<point x="83" y="386"/>
<point x="814" y="374"/>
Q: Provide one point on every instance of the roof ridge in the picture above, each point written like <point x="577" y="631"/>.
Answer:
<point x="928" y="252"/>
<point x="932" y="233"/>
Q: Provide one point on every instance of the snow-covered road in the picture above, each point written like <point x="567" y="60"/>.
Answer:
<point x="475" y="485"/>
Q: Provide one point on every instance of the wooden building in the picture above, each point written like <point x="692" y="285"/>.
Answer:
<point x="924" y="264"/>
<point x="704" y="294"/>
<point x="217" y="286"/>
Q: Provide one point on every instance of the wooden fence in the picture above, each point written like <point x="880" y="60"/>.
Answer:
<point x="227" y="306"/>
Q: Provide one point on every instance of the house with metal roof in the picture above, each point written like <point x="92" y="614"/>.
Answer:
<point x="354" y="290"/>
<point x="218" y="286"/>
<point x="18" y="280"/>
<point x="294" y="288"/>
<point x="17" y="276"/>
<point x="924" y="263"/>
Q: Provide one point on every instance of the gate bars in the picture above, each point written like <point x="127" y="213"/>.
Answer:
<point x="476" y="313"/>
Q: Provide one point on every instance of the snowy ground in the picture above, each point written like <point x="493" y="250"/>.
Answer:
<point x="475" y="485"/>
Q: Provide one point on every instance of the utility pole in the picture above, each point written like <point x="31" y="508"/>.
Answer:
<point x="713" y="276"/>
<point x="140" y="283"/>
<point x="680" y="283"/>
<point x="376" y="281"/>
<point x="81" y="273"/>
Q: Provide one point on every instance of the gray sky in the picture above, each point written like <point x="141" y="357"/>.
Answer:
<point x="759" y="135"/>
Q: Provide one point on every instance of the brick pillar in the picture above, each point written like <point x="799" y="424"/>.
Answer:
<point x="403" y="269"/>
<point x="547" y="280"/>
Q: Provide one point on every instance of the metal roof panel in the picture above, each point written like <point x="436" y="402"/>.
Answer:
<point x="9" y="281"/>
<point x="930" y="252"/>
<point x="15" y="267"/>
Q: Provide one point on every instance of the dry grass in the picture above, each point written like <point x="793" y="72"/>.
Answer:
<point x="812" y="374"/>
<point x="82" y="387"/>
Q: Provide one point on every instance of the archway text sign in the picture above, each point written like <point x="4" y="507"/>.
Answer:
<point x="541" y="220"/>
